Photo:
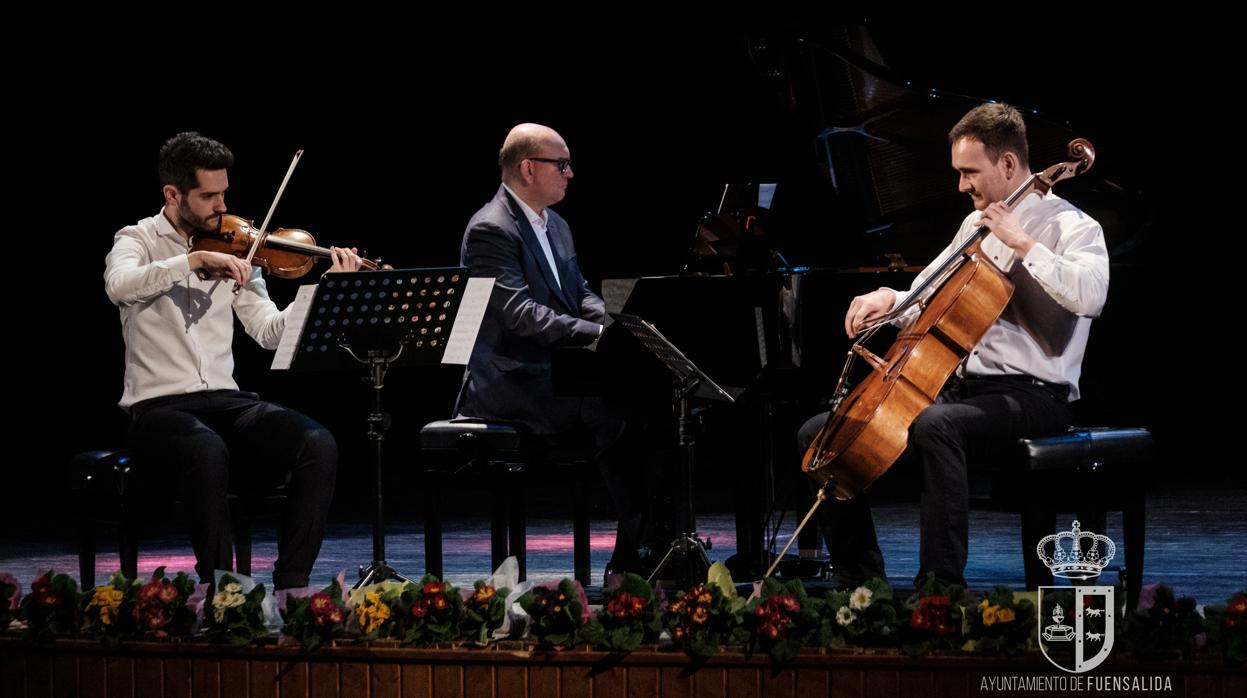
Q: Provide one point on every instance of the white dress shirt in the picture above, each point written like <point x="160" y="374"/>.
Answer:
<point x="1059" y="287"/>
<point x="538" y="222"/>
<point x="178" y="328"/>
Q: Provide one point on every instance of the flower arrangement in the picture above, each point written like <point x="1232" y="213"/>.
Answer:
<point x="483" y="612"/>
<point x="10" y="599"/>
<point x="107" y="610"/>
<point x="52" y="607"/>
<point x="430" y="611"/>
<point x="374" y="610"/>
<point x="707" y="616"/>
<point x="866" y="615"/>
<point x="161" y="608"/>
<point x="1226" y="625"/>
<point x="935" y="618"/>
<point x="1162" y="625"/>
<point x="232" y="616"/>
<point x="1000" y="624"/>
<point x="783" y="619"/>
<point x="556" y="612"/>
<point x="630" y="615"/>
<point x="315" y="619"/>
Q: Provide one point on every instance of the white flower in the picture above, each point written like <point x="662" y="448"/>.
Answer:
<point x="860" y="598"/>
<point x="218" y="606"/>
<point x="845" y="617"/>
<point x="225" y="600"/>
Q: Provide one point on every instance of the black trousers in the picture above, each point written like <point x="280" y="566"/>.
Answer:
<point x="632" y="474"/>
<point x="971" y="419"/>
<point x="198" y="443"/>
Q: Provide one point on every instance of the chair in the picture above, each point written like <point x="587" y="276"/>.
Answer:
<point x="105" y="491"/>
<point x="1090" y="471"/>
<point x="502" y="455"/>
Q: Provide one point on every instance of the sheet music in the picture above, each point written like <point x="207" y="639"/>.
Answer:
<point x="468" y="321"/>
<point x="766" y="194"/>
<point x="296" y="316"/>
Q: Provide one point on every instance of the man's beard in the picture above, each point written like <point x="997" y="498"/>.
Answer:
<point x="196" y="224"/>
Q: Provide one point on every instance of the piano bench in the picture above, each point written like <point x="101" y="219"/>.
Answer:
<point x="1089" y="471"/>
<point x="501" y="455"/>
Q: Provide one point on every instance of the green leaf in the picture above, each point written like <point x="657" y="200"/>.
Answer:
<point x="719" y="576"/>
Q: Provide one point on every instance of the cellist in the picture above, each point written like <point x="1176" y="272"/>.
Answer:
<point x="1018" y="381"/>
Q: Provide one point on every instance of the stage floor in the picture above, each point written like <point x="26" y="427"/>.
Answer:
<point x="1194" y="543"/>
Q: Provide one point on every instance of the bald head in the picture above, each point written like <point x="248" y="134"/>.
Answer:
<point x="535" y="164"/>
<point x="526" y="141"/>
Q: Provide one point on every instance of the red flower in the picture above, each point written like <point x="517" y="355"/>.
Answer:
<point x="320" y="604"/>
<point x="625" y="605"/>
<point x="155" y="618"/>
<point x="49" y="599"/>
<point x="168" y="593"/>
<point x="919" y="620"/>
<point x="482" y="597"/>
<point x="439" y="602"/>
<point x="1238" y="605"/>
<point x="433" y="588"/>
<point x="149" y="591"/>
<point x="420" y="608"/>
<point x="335" y="616"/>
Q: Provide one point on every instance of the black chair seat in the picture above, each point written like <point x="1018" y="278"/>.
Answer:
<point x="465" y="435"/>
<point x="107" y="488"/>
<point x="502" y="453"/>
<point x="1088" y="448"/>
<point x="1089" y="471"/>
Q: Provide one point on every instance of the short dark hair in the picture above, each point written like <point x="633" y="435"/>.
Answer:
<point x="187" y="152"/>
<point x="998" y="126"/>
<point x="520" y="148"/>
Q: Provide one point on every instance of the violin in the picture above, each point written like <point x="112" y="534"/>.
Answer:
<point x="286" y="253"/>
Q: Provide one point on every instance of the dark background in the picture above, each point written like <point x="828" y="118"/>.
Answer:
<point x="401" y="122"/>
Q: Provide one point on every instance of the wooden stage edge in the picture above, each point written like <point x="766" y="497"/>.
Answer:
<point x="87" y="668"/>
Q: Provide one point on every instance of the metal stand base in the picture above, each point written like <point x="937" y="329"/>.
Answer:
<point x="692" y="550"/>
<point x="377" y="572"/>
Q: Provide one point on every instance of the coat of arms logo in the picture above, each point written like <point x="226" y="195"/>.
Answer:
<point x="1076" y="623"/>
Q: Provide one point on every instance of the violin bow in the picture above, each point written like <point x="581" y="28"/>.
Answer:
<point x="263" y="233"/>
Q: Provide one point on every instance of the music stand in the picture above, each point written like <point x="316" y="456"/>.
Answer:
<point x="380" y="319"/>
<point x="688" y="382"/>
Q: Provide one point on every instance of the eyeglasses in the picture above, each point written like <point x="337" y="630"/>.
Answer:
<point x="561" y="164"/>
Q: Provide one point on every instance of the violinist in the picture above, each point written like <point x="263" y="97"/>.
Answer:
<point x="1021" y="377"/>
<point x="187" y="415"/>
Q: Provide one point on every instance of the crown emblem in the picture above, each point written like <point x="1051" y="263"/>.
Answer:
<point x="1076" y="554"/>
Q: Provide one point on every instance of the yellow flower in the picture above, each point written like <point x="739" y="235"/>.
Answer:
<point x="1004" y="615"/>
<point x="983" y="604"/>
<point x="989" y="615"/>
<point x="108" y="600"/>
<point x="372" y="612"/>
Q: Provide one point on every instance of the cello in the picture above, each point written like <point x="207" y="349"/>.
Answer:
<point x="868" y="428"/>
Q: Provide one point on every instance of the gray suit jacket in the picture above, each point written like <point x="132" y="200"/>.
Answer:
<point x="508" y="376"/>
